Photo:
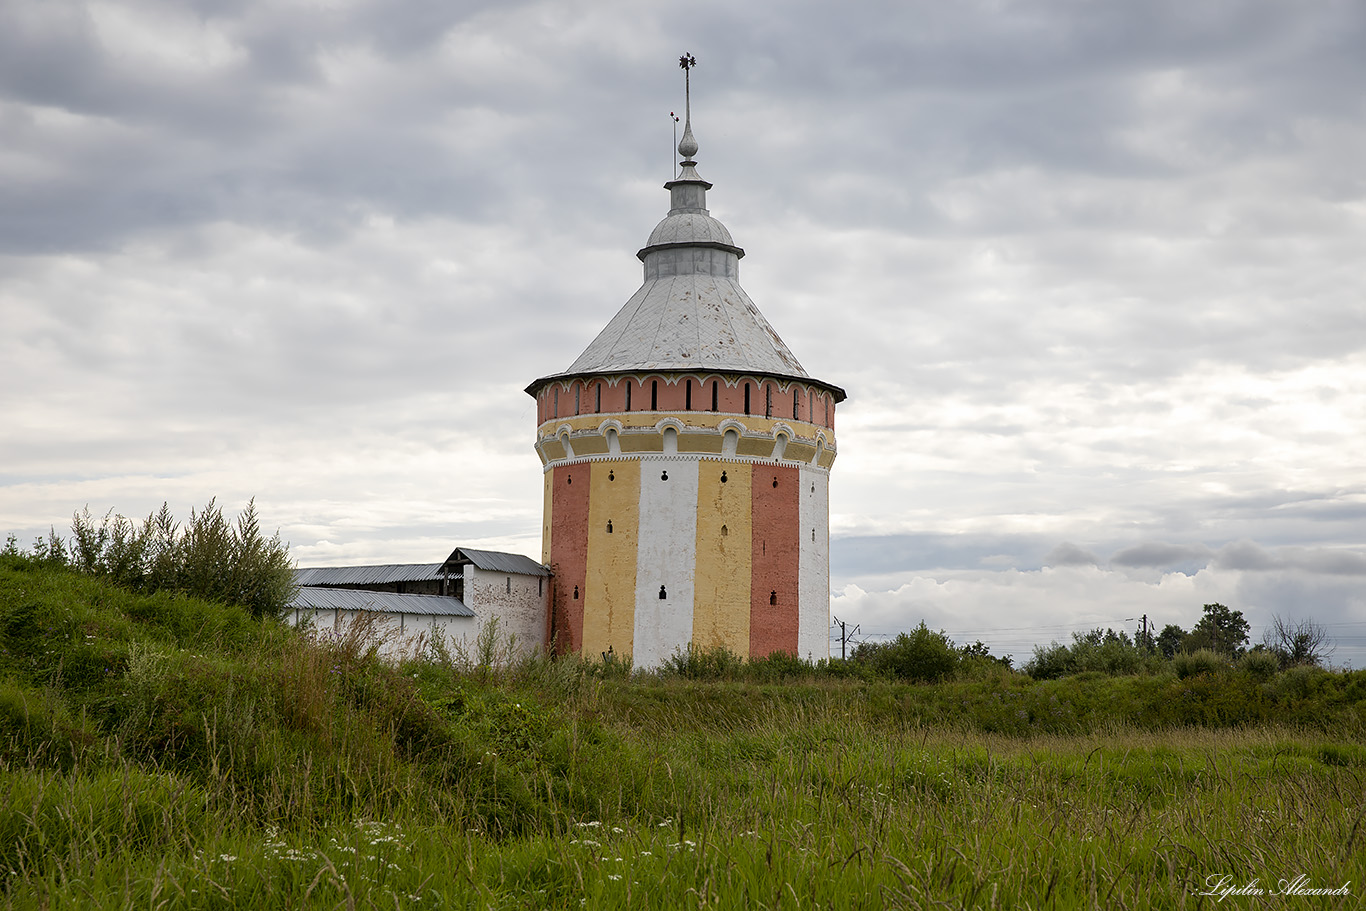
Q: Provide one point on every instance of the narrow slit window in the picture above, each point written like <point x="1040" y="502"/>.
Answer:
<point x="609" y="526"/>
<point x="747" y="398"/>
<point x="597" y="405"/>
<point x="715" y="394"/>
<point x="576" y="593"/>
<point x="768" y="400"/>
<point x="628" y="395"/>
<point x="687" y="403"/>
<point x="509" y="585"/>
<point x="654" y="395"/>
<point x="773" y="597"/>
<point x="794" y="404"/>
<point x="557" y="401"/>
<point x="662" y="593"/>
<point x="578" y="405"/>
<point x="723" y="477"/>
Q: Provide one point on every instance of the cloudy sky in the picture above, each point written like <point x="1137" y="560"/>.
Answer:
<point x="1091" y="273"/>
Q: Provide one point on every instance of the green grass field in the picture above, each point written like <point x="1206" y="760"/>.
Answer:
<point x="162" y="752"/>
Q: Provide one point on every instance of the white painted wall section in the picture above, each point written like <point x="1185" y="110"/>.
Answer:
<point x="813" y="567"/>
<point x="666" y="554"/>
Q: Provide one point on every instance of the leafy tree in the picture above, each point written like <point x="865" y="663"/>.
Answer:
<point x="1170" y="639"/>
<point x="1221" y="630"/>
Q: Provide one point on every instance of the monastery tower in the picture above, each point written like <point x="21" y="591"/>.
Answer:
<point x="687" y="460"/>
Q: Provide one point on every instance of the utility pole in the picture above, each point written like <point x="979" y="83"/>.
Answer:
<point x="845" y="635"/>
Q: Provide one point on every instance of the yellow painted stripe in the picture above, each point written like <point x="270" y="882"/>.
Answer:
<point x="610" y="599"/>
<point x="721" y="585"/>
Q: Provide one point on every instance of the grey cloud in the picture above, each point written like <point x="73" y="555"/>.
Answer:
<point x="1158" y="554"/>
<point x="1069" y="554"/>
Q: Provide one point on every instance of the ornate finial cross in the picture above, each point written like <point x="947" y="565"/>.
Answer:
<point x="688" y="147"/>
<point x="687" y="62"/>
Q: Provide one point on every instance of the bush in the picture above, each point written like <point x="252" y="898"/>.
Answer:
<point x="211" y="558"/>
<point x="921" y="655"/>
<point x="1261" y="664"/>
<point x="1200" y="661"/>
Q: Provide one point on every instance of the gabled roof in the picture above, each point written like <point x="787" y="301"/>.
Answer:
<point x="495" y="561"/>
<point x="314" y="598"/>
<point x="376" y="574"/>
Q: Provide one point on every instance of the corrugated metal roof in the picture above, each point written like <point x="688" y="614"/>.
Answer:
<point x="495" y="561"/>
<point x="313" y="598"/>
<point x="381" y="574"/>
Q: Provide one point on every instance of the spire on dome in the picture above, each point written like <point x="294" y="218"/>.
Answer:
<point x="688" y="146"/>
<point x="688" y="191"/>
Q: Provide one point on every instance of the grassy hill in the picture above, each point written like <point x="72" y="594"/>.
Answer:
<point x="165" y="752"/>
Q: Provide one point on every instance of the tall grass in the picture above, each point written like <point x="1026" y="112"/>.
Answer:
<point x="158" y="751"/>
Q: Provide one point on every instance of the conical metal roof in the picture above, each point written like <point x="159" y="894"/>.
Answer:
<point x="690" y="314"/>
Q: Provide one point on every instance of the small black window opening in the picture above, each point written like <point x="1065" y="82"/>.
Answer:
<point x="664" y="476"/>
<point x="654" y="395"/>
<point x="794" y="404"/>
<point x="569" y="479"/>
<point x="768" y="400"/>
<point x="597" y="406"/>
<point x="775" y="480"/>
<point x="813" y="534"/>
<point x="577" y="404"/>
<point x="772" y="597"/>
<point x="763" y="548"/>
<point x="611" y="476"/>
<point x="687" y="402"/>
<point x="747" y="398"/>
<point x="576" y="593"/>
<point x="724" y="531"/>
<point x="628" y="395"/>
<point x="723" y="477"/>
<point x="509" y="585"/>
<point x="662" y="593"/>
<point x="540" y="586"/>
<point x="715" y="393"/>
<point x="557" y="401"/>
<point x="609" y="526"/>
<point x="827" y="410"/>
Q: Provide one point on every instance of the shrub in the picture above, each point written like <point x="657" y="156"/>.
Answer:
<point x="1261" y="664"/>
<point x="921" y="655"/>
<point x="1200" y="661"/>
<point x="211" y="558"/>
